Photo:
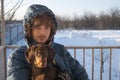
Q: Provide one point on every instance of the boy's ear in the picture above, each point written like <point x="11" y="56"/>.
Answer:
<point x="27" y="55"/>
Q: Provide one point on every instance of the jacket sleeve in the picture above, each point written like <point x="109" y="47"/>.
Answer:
<point x="17" y="66"/>
<point x="78" y="71"/>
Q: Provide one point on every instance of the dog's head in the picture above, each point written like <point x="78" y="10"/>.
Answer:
<point x="40" y="55"/>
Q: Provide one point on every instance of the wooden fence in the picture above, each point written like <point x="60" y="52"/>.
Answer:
<point x="84" y="59"/>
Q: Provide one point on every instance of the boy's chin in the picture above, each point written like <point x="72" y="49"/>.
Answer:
<point x="40" y="42"/>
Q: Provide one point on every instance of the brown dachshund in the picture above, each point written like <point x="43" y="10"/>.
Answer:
<point x="41" y="58"/>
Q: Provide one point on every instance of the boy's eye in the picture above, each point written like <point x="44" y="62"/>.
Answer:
<point x="47" y="27"/>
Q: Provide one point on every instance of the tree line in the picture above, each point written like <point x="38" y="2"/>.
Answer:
<point x="91" y="21"/>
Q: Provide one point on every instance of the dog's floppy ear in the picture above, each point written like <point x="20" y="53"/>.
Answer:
<point x="27" y="55"/>
<point x="53" y="57"/>
<point x="51" y="54"/>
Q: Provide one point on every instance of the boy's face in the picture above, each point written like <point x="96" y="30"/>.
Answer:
<point x="41" y="33"/>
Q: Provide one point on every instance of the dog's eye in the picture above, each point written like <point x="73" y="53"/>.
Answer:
<point x="37" y="53"/>
<point x="45" y="53"/>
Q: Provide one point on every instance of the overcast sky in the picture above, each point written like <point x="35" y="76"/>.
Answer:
<point x="70" y="7"/>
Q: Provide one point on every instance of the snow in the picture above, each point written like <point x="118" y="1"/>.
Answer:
<point x="92" y="38"/>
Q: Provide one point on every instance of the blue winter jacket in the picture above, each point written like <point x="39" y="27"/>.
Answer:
<point x="19" y="69"/>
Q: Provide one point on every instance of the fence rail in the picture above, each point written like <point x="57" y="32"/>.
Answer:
<point x="84" y="48"/>
<point x="101" y="56"/>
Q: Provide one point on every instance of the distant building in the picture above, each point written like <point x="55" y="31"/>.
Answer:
<point x="13" y="32"/>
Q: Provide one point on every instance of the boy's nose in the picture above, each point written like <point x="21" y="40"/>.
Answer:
<point x="42" y="31"/>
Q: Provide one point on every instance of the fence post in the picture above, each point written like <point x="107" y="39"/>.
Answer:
<point x="2" y="63"/>
<point x="3" y="39"/>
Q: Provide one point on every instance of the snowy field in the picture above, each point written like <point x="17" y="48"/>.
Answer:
<point x="92" y="38"/>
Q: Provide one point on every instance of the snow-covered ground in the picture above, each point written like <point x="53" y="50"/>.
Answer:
<point x="92" y="38"/>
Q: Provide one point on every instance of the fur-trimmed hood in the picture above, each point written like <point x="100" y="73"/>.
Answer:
<point x="33" y="11"/>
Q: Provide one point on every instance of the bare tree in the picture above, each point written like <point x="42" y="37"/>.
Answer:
<point x="105" y="56"/>
<point x="115" y="18"/>
<point x="103" y="21"/>
<point x="76" y="20"/>
<point x="89" y="20"/>
<point x="10" y="12"/>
